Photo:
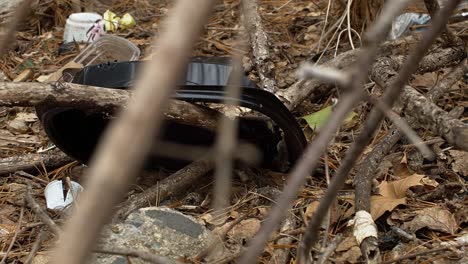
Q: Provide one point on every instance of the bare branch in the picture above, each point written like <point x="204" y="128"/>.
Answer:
<point x="40" y="212"/>
<point x="175" y="183"/>
<point x="260" y="46"/>
<point x="30" y="162"/>
<point x="331" y="75"/>
<point x="401" y="124"/>
<point x="121" y="153"/>
<point x="226" y="143"/>
<point x="435" y="118"/>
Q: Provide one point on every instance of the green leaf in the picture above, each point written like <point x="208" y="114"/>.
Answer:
<point x="319" y="119"/>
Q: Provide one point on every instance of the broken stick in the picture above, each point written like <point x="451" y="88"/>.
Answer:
<point x="90" y="98"/>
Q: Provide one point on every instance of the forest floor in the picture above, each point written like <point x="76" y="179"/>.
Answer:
<point x="417" y="204"/>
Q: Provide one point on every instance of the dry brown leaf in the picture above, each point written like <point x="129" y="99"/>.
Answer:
<point x="459" y="165"/>
<point x="434" y="218"/>
<point x="245" y="230"/>
<point x="392" y="194"/>
<point x="311" y="208"/>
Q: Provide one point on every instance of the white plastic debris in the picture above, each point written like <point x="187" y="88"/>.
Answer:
<point x="364" y="226"/>
<point x="54" y="194"/>
<point x="79" y="27"/>
<point x="401" y="25"/>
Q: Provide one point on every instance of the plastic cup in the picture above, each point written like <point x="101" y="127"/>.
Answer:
<point x="54" y="195"/>
<point x="78" y="25"/>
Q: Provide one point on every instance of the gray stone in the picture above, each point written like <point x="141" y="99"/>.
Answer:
<point x="157" y="230"/>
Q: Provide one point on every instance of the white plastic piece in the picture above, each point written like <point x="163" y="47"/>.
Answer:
<point x="54" y="195"/>
<point x="364" y="226"/>
<point x="78" y="25"/>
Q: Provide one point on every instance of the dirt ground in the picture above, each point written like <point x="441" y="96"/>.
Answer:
<point x="417" y="204"/>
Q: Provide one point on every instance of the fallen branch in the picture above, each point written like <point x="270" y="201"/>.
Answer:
<point x="32" y="162"/>
<point x="260" y="46"/>
<point x="436" y="119"/>
<point x="175" y="183"/>
<point x="90" y="98"/>
<point x="424" y="253"/>
<point x="45" y="218"/>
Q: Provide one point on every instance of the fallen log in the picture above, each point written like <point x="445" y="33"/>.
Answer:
<point x="90" y="98"/>
<point x="33" y="162"/>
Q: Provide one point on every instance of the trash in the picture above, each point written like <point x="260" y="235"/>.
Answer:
<point x="108" y="48"/>
<point x="113" y="22"/>
<point x="54" y="194"/>
<point x="80" y="27"/>
<point x="401" y="25"/>
<point x="127" y="21"/>
<point x="204" y="81"/>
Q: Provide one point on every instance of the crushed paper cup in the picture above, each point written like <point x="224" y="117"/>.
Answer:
<point x="111" y="21"/>
<point x="127" y="21"/>
<point x="54" y="194"/>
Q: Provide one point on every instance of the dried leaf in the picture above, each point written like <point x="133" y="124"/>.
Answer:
<point x="245" y="230"/>
<point x="434" y="218"/>
<point x="311" y="208"/>
<point x="397" y="189"/>
<point x="392" y="194"/>
<point x="459" y="165"/>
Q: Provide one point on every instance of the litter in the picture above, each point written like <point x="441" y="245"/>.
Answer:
<point x="54" y="194"/>
<point x="76" y="132"/>
<point x="82" y="27"/>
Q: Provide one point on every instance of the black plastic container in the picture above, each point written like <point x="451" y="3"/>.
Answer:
<point x="77" y="132"/>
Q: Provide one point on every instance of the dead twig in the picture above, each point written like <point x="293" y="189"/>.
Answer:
<point x="260" y="45"/>
<point x="225" y="145"/>
<point x="31" y="162"/>
<point x="175" y="183"/>
<point x="40" y="212"/>
<point x="423" y="253"/>
<point x="374" y="119"/>
<point x="436" y="119"/>
<point x="405" y="128"/>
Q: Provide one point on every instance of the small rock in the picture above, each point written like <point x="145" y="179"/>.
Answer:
<point x="18" y="126"/>
<point x="157" y="230"/>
